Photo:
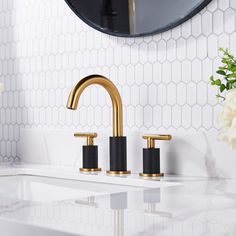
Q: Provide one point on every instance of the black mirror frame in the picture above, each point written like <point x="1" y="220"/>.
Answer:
<point x="161" y="30"/>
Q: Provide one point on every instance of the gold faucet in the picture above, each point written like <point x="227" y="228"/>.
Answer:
<point x="113" y="92"/>
<point x="118" y="162"/>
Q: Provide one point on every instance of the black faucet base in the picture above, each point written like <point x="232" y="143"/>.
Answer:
<point x="151" y="161"/>
<point x="90" y="159"/>
<point x="118" y="156"/>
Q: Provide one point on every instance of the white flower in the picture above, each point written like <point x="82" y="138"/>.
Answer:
<point x="1" y="87"/>
<point x="228" y="136"/>
<point x="227" y="119"/>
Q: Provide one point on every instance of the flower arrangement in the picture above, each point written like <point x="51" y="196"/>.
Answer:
<point x="227" y="91"/>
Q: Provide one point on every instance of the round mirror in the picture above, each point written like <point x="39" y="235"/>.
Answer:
<point x="132" y="18"/>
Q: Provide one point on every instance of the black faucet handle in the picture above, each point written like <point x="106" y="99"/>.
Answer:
<point x="151" y="155"/>
<point x="90" y="153"/>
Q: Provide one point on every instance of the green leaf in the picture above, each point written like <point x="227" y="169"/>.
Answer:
<point x="221" y="72"/>
<point x="222" y="88"/>
<point x="233" y="68"/>
<point x="233" y="75"/>
<point x="228" y="72"/>
<point x="219" y="96"/>
<point x="223" y="68"/>
<point x="228" y="86"/>
<point x="224" y="60"/>
<point x="218" y="82"/>
<point x="232" y="81"/>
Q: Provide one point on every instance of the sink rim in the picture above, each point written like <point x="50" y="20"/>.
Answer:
<point x="132" y="180"/>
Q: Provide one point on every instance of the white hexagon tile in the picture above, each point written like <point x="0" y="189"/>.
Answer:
<point x="163" y="79"/>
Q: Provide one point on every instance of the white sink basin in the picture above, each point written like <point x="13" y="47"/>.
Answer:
<point x="23" y="194"/>
<point x="44" y="189"/>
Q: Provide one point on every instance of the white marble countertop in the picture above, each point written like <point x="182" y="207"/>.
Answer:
<point x="190" y="206"/>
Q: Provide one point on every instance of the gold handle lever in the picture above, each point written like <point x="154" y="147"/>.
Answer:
<point x="89" y="136"/>
<point x="152" y="137"/>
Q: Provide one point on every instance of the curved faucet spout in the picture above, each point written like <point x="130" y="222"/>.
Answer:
<point x="75" y="93"/>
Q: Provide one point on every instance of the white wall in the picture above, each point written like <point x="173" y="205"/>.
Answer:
<point x="163" y="79"/>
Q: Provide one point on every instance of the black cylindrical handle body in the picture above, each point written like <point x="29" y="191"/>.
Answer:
<point x="90" y="157"/>
<point x="118" y="158"/>
<point x="151" y="161"/>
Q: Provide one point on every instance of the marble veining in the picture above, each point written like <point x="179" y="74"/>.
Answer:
<point x="197" y="206"/>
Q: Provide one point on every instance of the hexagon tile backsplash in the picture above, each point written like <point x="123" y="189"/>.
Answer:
<point x="45" y="49"/>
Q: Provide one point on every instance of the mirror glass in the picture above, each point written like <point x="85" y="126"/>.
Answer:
<point x="132" y="18"/>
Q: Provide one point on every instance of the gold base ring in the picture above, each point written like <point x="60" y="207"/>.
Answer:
<point x="122" y="172"/>
<point x="151" y="175"/>
<point x="90" y="169"/>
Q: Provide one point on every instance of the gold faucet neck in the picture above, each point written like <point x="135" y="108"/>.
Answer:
<point x="75" y="93"/>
